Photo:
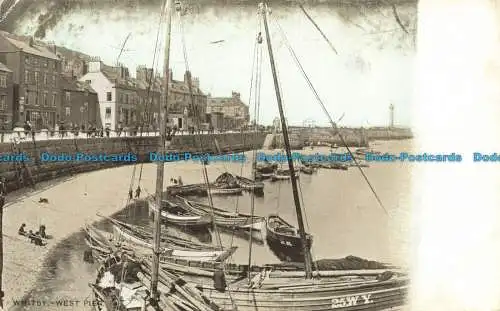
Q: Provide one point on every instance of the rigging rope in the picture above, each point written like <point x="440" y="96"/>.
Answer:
<point x="317" y="27"/>
<point x="204" y="168"/>
<point x="149" y="98"/>
<point x="333" y="124"/>
<point x="256" y="65"/>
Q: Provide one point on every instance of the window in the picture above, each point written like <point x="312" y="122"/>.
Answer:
<point x="68" y="111"/>
<point x="3" y="81"/>
<point x="45" y="63"/>
<point x="108" y="96"/>
<point x="88" y="81"/>
<point x="54" y="80"/>
<point x="35" y="61"/>
<point x="108" y="113"/>
<point x="26" y="97"/>
<point x="27" y="60"/>
<point x="45" y="102"/>
<point x="36" y="98"/>
<point x="26" y="76"/>
<point x="54" y="96"/>
<point x="68" y="97"/>
<point x="45" y="79"/>
<point x="3" y="102"/>
<point x="36" y="76"/>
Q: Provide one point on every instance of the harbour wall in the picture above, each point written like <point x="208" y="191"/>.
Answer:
<point x="23" y="174"/>
<point x="353" y="137"/>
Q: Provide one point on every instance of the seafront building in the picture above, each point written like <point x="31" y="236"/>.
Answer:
<point x="55" y="85"/>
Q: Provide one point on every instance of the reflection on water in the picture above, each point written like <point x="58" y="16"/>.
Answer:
<point x="341" y="214"/>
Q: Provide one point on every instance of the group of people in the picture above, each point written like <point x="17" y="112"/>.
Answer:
<point x="177" y="181"/>
<point x="37" y="238"/>
<point x="137" y="193"/>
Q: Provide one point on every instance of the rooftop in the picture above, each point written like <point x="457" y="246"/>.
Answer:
<point x="4" y="68"/>
<point x="113" y="74"/>
<point x="23" y="44"/>
<point x="70" y="84"/>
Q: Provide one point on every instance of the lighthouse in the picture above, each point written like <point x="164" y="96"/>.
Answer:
<point x="391" y="115"/>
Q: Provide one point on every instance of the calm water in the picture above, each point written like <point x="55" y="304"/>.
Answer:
<point x="342" y="214"/>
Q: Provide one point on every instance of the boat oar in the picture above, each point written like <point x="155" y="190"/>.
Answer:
<point x="180" y="286"/>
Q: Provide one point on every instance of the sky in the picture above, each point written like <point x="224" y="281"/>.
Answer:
<point x="373" y="68"/>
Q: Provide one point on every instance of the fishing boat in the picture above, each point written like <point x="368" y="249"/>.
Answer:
<point x="225" y="191"/>
<point x="283" y="238"/>
<point x="307" y="170"/>
<point x="141" y="244"/>
<point x="244" y="183"/>
<point x="272" y="289"/>
<point x="173" y="240"/>
<point x="232" y="220"/>
<point x="283" y="174"/>
<point x="266" y="167"/>
<point x="192" y="221"/>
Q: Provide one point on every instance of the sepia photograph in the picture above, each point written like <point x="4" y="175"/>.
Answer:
<point x="208" y="155"/>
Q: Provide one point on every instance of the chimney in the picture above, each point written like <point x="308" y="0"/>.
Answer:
<point x="236" y="95"/>
<point x="196" y="83"/>
<point x="187" y="76"/>
<point x="31" y="42"/>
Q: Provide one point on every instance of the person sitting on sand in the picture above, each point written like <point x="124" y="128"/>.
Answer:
<point x="21" y="230"/>
<point x="35" y="238"/>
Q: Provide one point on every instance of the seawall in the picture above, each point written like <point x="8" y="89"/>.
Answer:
<point x="17" y="173"/>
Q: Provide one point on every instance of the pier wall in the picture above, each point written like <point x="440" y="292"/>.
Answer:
<point x="353" y="137"/>
<point x="141" y="146"/>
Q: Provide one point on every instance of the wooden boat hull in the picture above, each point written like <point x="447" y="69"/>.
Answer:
<point x="267" y="168"/>
<point x="193" y="221"/>
<point x="307" y="170"/>
<point x="249" y="184"/>
<point x="123" y="235"/>
<point x="228" y="191"/>
<point x="376" y="297"/>
<point x="276" y="176"/>
<point x="283" y="239"/>
<point x="224" y="218"/>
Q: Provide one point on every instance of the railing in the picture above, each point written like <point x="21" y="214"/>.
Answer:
<point x="18" y="136"/>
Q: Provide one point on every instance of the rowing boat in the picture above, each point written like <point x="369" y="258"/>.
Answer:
<point x="224" y="218"/>
<point x="192" y="221"/>
<point x="284" y="239"/>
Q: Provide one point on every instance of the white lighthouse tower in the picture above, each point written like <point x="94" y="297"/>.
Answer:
<point x="391" y="115"/>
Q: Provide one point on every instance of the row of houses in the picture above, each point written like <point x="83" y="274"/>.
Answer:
<point x="48" y="85"/>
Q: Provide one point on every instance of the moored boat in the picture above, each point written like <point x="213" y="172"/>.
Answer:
<point x="283" y="175"/>
<point x="284" y="238"/>
<point x="266" y="167"/>
<point x="244" y="183"/>
<point x="307" y="170"/>
<point x="225" y="191"/>
<point x="231" y="220"/>
<point x="143" y="245"/>
<point x="193" y="221"/>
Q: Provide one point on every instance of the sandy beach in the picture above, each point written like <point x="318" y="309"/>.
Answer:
<point x="67" y="211"/>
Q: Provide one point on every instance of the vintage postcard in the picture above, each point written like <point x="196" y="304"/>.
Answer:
<point x="246" y="155"/>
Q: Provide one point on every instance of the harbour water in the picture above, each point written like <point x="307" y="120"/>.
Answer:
<point x="341" y="212"/>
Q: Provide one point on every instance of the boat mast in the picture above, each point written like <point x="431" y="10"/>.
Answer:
<point x="160" y="166"/>
<point x="296" y="199"/>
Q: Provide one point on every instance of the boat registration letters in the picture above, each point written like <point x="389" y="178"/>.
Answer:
<point x="349" y="301"/>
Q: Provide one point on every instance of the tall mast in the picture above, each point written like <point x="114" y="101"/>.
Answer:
<point x="160" y="166"/>
<point x="296" y="199"/>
